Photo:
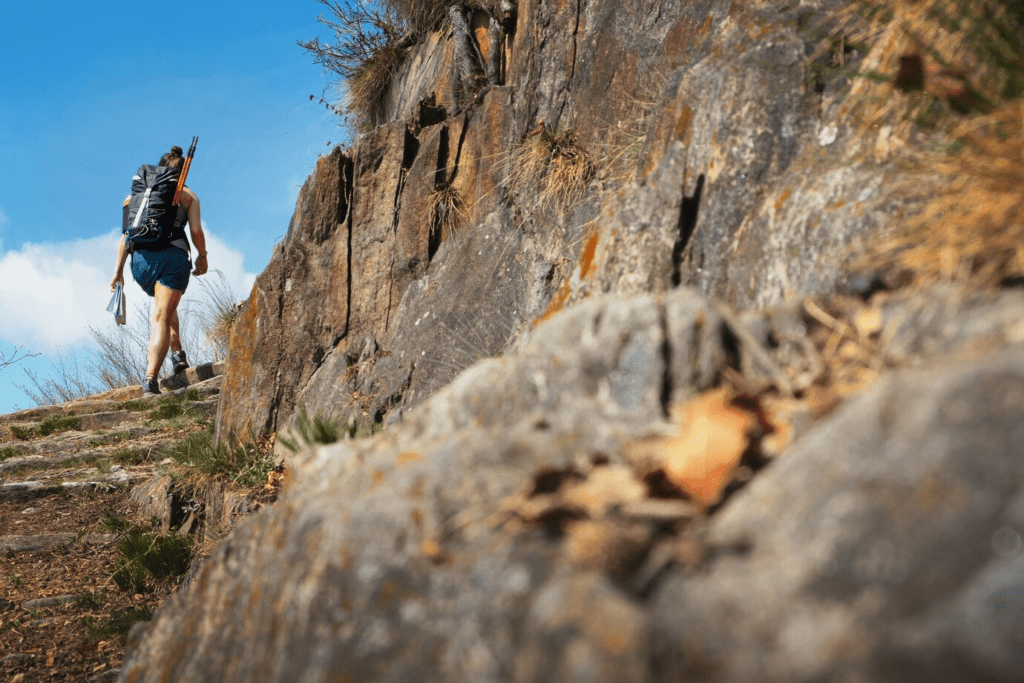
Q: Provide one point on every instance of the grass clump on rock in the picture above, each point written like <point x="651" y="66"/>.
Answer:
<point x="51" y="425"/>
<point x="446" y="211"/>
<point x="312" y="431"/>
<point x="555" y="161"/>
<point x="242" y="464"/>
<point x="370" y="43"/>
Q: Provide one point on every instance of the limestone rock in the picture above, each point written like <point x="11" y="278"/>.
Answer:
<point x="394" y="557"/>
<point x="884" y="546"/>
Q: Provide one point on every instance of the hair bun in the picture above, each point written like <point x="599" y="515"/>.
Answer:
<point x="176" y="151"/>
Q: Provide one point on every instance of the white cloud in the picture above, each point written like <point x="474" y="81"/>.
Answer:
<point x="52" y="292"/>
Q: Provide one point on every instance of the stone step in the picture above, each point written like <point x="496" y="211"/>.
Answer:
<point x="26" y="491"/>
<point x="191" y="376"/>
<point x="111" y="399"/>
<point x="29" y="461"/>
<point x="52" y="601"/>
<point x="22" y="544"/>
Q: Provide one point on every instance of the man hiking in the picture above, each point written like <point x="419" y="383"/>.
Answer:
<point x="162" y="267"/>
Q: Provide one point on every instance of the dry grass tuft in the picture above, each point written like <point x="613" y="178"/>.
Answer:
<point x="618" y="155"/>
<point x="446" y="210"/>
<point x="420" y="15"/>
<point x="930" y="62"/>
<point x="973" y="229"/>
<point x="368" y="86"/>
<point x="556" y="161"/>
<point x="941" y="91"/>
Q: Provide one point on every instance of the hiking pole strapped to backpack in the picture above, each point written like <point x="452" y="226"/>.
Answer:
<point x="184" y="170"/>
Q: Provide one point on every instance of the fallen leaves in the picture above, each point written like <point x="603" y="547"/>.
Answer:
<point x="713" y="433"/>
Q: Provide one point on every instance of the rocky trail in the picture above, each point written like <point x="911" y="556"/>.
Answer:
<point x="77" y="482"/>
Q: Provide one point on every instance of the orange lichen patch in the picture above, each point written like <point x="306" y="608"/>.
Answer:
<point x="713" y="435"/>
<point x="378" y="478"/>
<point x="683" y="35"/>
<point x="479" y="25"/>
<point x="406" y="457"/>
<point x="758" y="31"/>
<point x="707" y="25"/>
<point x="587" y="261"/>
<point x="782" y="198"/>
<point x="684" y="125"/>
<point x="431" y="549"/>
<point x="936" y="492"/>
<point x="243" y="334"/>
<point x="557" y="303"/>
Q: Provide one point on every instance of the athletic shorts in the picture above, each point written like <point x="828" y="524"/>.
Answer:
<point x="170" y="267"/>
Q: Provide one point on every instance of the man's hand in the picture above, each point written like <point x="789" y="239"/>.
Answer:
<point x="118" y="279"/>
<point x="201" y="265"/>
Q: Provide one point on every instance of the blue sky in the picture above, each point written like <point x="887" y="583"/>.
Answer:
<point x="88" y="92"/>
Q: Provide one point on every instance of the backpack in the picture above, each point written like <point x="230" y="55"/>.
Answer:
<point x="151" y="211"/>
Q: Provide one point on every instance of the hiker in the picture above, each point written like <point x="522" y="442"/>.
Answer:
<point x="163" y="273"/>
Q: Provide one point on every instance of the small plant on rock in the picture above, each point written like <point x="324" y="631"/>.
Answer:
<point x="366" y="52"/>
<point x="446" y="211"/>
<point x="241" y="464"/>
<point x="309" y="432"/>
<point x="554" y="161"/>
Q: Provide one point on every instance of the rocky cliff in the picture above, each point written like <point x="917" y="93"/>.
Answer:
<point x="542" y="286"/>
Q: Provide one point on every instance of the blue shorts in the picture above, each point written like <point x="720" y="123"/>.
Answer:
<point x="170" y="267"/>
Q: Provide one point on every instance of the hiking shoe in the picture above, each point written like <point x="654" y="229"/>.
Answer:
<point x="179" y="361"/>
<point x="150" y="387"/>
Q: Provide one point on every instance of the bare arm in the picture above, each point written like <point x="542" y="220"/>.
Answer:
<point x="122" y="256"/>
<point x="195" y="225"/>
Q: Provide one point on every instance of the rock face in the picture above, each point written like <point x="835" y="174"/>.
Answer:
<point x="698" y="178"/>
<point x="714" y="109"/>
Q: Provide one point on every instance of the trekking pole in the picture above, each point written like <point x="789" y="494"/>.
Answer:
<point x="184" y="170"/>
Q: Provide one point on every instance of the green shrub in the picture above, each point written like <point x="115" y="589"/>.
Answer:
<point x="57" y="423"/>
<point x="169" y="408"/>
<point x="23" y="433"/>
<point x="115" y="523"/>
<point x="118" y="624"/>
<point x="148" y="554"/>
<point x="91" y="599"/>
<point x="8" y="452"/>
<point x="130" y="456"/>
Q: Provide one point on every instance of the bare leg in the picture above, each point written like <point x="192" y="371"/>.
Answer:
<point x="175" y="334"/>
<point x="165" y="306"/>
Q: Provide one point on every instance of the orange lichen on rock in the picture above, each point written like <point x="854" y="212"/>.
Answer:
<point x="557" y="302"/>
<point x="407" y="457"/>
<point x="587" y="261"/>
<point x="782" y="198"/>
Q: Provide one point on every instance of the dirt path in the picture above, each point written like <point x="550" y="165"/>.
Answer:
<point x="79" y="483"/>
